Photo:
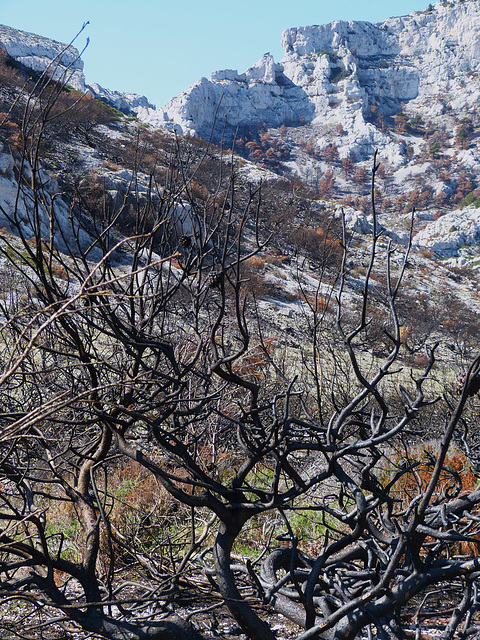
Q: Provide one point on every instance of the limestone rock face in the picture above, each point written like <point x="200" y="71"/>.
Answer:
<point x="65" y="230"/>
<point x="41" y="54"/>
<point x="63" y="63"/>
<point x="128" y="103"/>
<point x="262" y="94"/>
<point x="336" y="73"/>
<point x="453" y="234"/>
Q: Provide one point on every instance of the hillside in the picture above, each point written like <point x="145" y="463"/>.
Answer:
<point x="387" y="97"/>
<point x="407" y="87"/>
<point x="105" y="162"/>
<point x="230" y="405"/>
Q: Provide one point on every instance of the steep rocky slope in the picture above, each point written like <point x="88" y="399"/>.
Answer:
<point x="406" y="86"/>
<point x="336" y="73"/>
<point x="39" y="54"/>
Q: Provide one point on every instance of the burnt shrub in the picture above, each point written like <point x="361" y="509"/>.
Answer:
<point x="319" y="245"/>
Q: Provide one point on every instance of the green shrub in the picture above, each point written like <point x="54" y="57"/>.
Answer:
<point x="339" y="73"/>
<point x="435" y="149"/>
<point x="472" y="199"/>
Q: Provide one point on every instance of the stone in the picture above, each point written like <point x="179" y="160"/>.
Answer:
<point x="62" y="62"/>
<point x="335" y="73"/>
<point x="451" y="235"/>
<point x="128" y="103"/>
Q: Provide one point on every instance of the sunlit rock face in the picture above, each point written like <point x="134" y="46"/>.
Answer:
<point x="262" y="94"/>
<point x="336" y="73"/>
<point x="128" y="103"/>
<point x="60" y="61"/>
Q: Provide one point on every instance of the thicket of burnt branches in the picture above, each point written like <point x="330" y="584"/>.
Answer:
<point x="146" y="352"/>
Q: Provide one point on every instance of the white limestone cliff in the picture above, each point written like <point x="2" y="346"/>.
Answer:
<point x="17" y="203"/>
<point x="454" y="235"/>
<point x="62" y="62"/>
<point x="426" y="64"/>
<point x="128" y="103"/>
<point x="335" y="73"/>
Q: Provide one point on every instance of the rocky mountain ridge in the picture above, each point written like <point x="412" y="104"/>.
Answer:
<point x="41" y="54"/>
<point x="63" y="62"/>
<point x="336" y="73"/>
<point x="331" y="74"/>
<point x="407" y="87"/>
<point x="191" y="329"/>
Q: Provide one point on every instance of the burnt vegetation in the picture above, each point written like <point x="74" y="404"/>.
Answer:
<point x="164" y="453"/>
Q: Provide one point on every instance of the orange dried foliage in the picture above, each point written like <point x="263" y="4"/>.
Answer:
<point x="254" y="362"/>
<point x="199" y="191"/>
<point x="416" y="481"/>
<point x="12" y="132"/>
<point x="60" y="577"/>
<point x="404" y="333"/>
<point x="318" y="304"/>
<point x="134" y="489"/>
<point x="256" y="262"/>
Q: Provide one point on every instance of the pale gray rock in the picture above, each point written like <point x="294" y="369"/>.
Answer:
<point x="230" y="75"/>
<point x="60" y="61"/>
<point x="17" y="204"/>
<point x="356" y="221"/>
<point x="261" y="94"/>
<point x="335" y="73"/>
<point x="128" y="103"/>
<point x="452" y="235"/>
<point x="6" y="166"/>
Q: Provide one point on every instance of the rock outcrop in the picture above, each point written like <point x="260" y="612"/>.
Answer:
<point x="336" y="73"/>
<point x="61" y="61"/>
<point x="453" y="235"/>
<point x="128" y="103"/>
<point x="17" y="202"/>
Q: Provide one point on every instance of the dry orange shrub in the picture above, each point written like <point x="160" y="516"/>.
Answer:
<point x="199" y="191"/>
<point x="404" y="333"/>
<point x="256" y="262"/>
<point x="254" y="362"/>
<point x="254" y="278"/>
<point x="318" y="244"/>
<point x="319" y="304"/>
<point x="456" y="466"/>
<point x="134" y="491"/>
<point x="12" y="132"/>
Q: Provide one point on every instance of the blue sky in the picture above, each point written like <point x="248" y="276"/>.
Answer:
<point x="159" y="48"/>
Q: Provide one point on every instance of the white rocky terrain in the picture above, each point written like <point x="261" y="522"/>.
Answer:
<point x="160" y="294"/>
<point x="60" y="61"/>
<point x="54" y="212"/>
<point x="402" y="87"/>
<point x="335" y="73"/>
<point x="407" y="87"/>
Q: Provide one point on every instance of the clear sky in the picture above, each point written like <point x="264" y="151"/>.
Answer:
<point x="158" y="48"/>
